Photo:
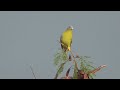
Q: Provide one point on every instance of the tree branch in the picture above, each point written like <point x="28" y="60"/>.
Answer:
<point x="97" y="69"/>
<point x="32" y="72"/>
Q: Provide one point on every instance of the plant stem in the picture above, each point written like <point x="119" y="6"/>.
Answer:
<point x="32" y="72"/>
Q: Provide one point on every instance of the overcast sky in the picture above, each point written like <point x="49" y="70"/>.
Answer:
<point x="30" y="38"/>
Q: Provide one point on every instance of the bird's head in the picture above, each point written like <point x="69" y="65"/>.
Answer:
<point x="70" y="27"/>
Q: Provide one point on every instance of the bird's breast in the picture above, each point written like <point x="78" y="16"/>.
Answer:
<point x="67" y="37"/>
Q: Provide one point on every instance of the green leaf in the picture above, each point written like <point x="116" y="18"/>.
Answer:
<point x="60" y="57"/>
<point x="60" y="70"/>
<point x="91" y="76"/>
<point x="86" y="65"/>
<point x="75" y="74"/>
<point x="87" y="57"/>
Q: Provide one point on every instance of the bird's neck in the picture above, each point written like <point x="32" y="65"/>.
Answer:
<point x="69" y="30"/>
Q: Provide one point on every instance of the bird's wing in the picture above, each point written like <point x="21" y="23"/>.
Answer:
<point x="61" y="41"/>
<point x="60" y="38"/>
<point x="70" y="42"/>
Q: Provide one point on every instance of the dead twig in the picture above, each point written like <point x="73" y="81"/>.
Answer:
<point x="32" y="72"/>
<point x="74" y="60"/>
<point x="97" y="69"/>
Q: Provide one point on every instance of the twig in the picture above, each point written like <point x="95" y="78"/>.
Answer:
<point x="77" y="56"/>
<point x="97" y="69"/>
<point x="74" y="60"/>
<point x="67" y="73"/>
<point x="58" y="71"/>
<point x="32" y="72"/>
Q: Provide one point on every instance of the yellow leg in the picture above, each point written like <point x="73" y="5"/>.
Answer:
<point x="68" y="48"/>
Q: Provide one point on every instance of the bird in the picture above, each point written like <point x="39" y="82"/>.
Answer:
<point x="66" y="39"/>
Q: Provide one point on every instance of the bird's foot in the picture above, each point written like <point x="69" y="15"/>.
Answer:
<point x="68" y="48"/>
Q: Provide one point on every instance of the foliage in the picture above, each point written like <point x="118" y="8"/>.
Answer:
<point x="86" y="66"/>
<point x="75" y="74"/>
<point x="60" y="69"/>
<point x="61" y="59"/>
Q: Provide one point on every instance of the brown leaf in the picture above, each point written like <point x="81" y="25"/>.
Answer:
<point x="86" y="76"/>
<point x="82" y="75"/>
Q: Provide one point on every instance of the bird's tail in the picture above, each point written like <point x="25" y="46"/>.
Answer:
<point x="63" y="48"/>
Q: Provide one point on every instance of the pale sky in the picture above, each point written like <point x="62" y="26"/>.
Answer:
<point x="30" y="38"/>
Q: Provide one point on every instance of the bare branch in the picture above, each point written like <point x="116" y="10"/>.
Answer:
<point x="32" y="72"/>
<point x="97" y="69"/>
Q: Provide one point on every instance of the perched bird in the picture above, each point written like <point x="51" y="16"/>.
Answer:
<point x="66" y="39"/>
